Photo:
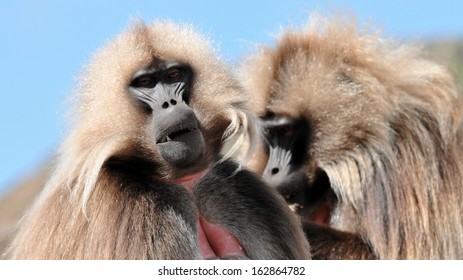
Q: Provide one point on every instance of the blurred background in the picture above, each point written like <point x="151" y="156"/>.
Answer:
<point x="44" y="45"/>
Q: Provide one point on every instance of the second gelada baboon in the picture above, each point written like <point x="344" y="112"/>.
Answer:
<point x="363" y="138"/>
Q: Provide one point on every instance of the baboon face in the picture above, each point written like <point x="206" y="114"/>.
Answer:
<point x="163" y="90"/>
<point x="180" y="136"/>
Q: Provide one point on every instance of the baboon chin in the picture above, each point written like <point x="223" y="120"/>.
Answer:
<point x="363" y="138"/>
<point x="140" y="176"/>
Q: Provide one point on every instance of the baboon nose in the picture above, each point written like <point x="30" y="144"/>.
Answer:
<point x="166" y="104"/>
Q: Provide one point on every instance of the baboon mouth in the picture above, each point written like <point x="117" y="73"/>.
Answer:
<point x="321" y="213"/>
<point x="318" y="212"/>
<point x="172" y="135"/>
<point x="181" y="144"/>
<point x="320" y="201"/>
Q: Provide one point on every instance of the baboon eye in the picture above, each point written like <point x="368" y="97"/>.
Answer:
<point x="145" y="81"/>
<point x="288" y="130"/>
<point x="173" y="73"/>
<point x="269" y="115"/>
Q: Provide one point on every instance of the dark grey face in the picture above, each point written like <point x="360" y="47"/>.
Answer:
<point x="163" y="90"/>
<point x="286" y="140"/>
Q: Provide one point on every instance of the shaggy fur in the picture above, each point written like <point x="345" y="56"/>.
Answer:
<point x="385" y="128"/>
<point x="86" y="210"/>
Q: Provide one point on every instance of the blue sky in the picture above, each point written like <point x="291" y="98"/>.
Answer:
<point x="44" y="45"/>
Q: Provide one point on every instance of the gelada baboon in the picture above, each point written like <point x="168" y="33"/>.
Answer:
<point x="140" y="176"/>
<point x="363" y="138"/>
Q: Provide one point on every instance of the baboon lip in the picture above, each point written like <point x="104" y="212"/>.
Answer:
<point x="172" y="135"/>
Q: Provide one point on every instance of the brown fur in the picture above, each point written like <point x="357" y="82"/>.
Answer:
<point x="87" y="210"/>
<point x="386" y="129"/>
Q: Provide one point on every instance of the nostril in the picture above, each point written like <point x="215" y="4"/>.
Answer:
<point x="173" y="102"/>
<point x="275" y="171"/>
<point x="165" y="105"/>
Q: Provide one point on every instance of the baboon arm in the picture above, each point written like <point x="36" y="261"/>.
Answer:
<point x="273" y="234"/>
<point x="330" y="244"/>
